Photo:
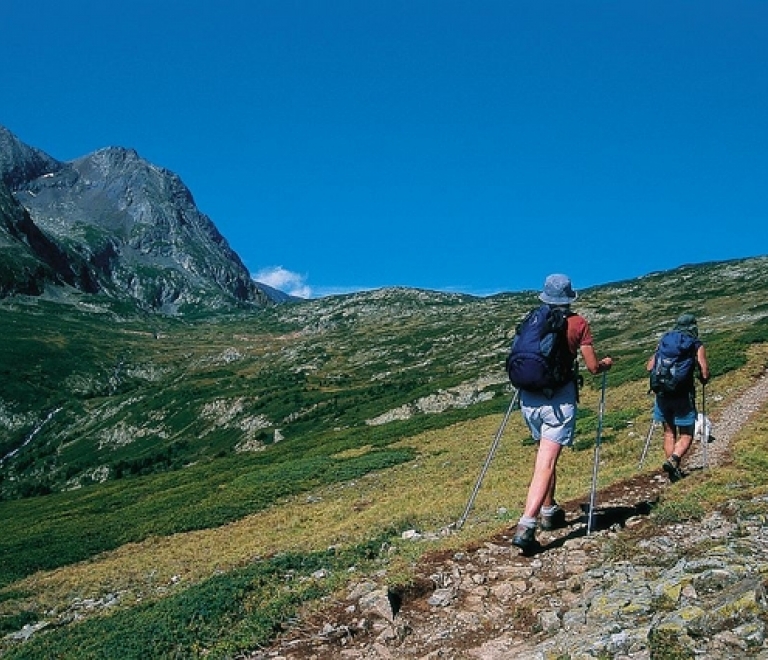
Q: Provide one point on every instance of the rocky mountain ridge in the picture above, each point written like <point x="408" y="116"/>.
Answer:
<point x="113" y="224"/>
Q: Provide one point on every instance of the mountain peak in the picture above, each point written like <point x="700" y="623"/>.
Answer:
<point x="20" y="163"/>
<point x="127" y="228"/>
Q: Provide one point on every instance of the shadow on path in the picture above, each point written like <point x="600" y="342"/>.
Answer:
<point x="603" y="518"/>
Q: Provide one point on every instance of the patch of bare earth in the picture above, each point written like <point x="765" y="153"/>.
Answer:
<point x="486" y="601"/>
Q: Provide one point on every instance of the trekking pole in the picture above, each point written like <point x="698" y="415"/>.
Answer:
<point x="592" y="494"/>
<point x="704" y="431"/>
<point x="460" y="522"/>
<point x="647" y="442"/>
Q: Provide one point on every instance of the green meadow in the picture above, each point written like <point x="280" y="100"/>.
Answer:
<point x="184" y="487"/>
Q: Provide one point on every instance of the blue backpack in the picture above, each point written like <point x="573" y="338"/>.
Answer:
<point x="672" y="372"/>
<point x="539" y="359"/>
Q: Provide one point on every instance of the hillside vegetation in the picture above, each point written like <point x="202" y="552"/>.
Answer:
<point x="180" y="487"/>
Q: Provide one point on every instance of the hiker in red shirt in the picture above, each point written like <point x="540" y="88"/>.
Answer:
<point x="551" y="416"/>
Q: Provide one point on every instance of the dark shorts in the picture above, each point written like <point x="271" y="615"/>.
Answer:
<point x="675" y="411"/>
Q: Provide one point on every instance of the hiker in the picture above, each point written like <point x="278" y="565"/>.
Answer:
<point x="675" y="404"/>
<point x="551" y="414"/>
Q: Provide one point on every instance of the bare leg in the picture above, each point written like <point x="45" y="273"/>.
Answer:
<point x="677" y="440"/>
<point x="669" y="440"/>
<point x="541" y="490"/>
<point x="677" y="444"/>
<point x="684" y="440"/>
<point x="549" y="499"/>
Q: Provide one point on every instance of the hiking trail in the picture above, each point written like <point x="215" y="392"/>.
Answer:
<point x="490" y="602"/>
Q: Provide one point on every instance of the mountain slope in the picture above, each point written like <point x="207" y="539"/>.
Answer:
<point x="134" y="391"/>
<point x="166" y="466"/>
<point x="111" y="223"/>
<point x="580" y="595"/>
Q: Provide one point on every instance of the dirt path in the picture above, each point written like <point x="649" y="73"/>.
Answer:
<point x="716" y="452"/>
<point x="732" y="420"/>
<point x="474" y="626"/>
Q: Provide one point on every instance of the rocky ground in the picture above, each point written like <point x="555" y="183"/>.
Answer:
<point x="696" y="591"/>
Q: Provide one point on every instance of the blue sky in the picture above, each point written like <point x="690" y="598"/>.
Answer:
<point x="461" y="146"/>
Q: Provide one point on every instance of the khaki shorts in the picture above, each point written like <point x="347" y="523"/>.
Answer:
<point x="553" y="419"/>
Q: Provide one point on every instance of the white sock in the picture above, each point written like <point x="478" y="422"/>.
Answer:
<point x="525" y="521"/>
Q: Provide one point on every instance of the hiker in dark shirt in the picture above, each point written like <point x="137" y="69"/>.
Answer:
<point x="677" y="411"/>
<point x="551" y="418"/>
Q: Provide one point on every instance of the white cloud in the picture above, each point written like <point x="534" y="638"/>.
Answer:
<point x="284" y="280"/>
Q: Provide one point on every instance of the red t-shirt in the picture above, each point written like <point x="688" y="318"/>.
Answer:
<point x="579" y="333"/>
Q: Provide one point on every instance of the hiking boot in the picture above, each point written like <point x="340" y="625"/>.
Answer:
<point x="525" y="538"/>
<point x="673" y="470"/>
<point x="554" y="520"/>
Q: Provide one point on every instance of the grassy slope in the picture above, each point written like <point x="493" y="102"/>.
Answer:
<point x="186" y="539"/>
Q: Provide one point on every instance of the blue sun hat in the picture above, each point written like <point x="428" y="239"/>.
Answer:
<point x="558" y="290"/>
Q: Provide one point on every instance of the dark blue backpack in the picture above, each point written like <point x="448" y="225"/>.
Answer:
<point x="539" y="359"/>
<point x="672" y="372"/>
